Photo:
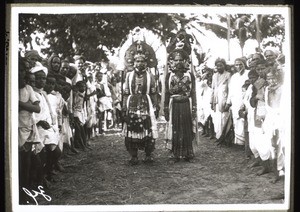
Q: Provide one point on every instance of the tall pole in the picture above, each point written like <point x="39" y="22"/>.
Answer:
<point x="228" y="35"/>
<point x="258" y="35"/>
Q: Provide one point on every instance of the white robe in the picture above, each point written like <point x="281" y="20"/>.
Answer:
<point x="235" y="98"/>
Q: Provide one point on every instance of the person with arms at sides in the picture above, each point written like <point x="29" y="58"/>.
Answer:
<point x="91" y="107"/>
<point x="247" y="113"/>
<point x="79" y="115"/>
<point x="273" y="124"/>
<point x="180" y="107"/>
<point x="139" y="104"/>
<point x="105" y="106"/>
<point x="235" y="99"/>
<point x="220" y="82"/>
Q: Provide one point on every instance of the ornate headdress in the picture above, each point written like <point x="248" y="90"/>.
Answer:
<point x="140" y="49"/>
<point x="180" y="52"/>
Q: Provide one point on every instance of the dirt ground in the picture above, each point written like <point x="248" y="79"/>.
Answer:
<point x="103" y="176"/>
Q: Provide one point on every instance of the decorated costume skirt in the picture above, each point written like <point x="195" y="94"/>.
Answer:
<point x="139" y="129"/>
<point x="182" y="129"/>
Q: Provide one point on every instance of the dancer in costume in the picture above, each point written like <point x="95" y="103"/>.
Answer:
<point x="139" y="104"/>
<point x="180" y="106"/>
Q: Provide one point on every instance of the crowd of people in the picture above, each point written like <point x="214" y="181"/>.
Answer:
<point x="65" y="102"/>
<point x="244" y="106"/>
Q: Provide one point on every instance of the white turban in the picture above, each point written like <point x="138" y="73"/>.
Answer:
<point x="272" y="49"/>
<point x="38" y="67"/>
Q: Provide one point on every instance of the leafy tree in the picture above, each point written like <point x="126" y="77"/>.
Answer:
<point x="87" y="34"/>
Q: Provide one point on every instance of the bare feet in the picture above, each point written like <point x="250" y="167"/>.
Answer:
<point x="255" y="163"/>
<point x="134" y="161"/>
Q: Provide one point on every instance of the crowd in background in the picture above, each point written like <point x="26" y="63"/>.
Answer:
<point x="243" y="105"/>
<point x="64" y="102"/>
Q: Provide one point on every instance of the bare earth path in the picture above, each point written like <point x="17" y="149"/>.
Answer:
<point x="102" y="176"/>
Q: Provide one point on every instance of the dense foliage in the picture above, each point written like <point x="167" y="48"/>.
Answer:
<point x="88" y="34"/>
<point x="71" y="34"/>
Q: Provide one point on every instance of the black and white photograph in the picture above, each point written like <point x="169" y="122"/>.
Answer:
<point x="149" y="108"/>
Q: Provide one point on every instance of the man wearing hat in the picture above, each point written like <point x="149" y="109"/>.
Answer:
<point x="139" y="104"/>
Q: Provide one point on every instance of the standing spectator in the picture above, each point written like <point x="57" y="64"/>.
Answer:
<point x="28" y="103"/>
<point x="46" y="121"/>
<point x="68" y="136"/>
<point x="220" y="116"/>
<point x="91" y="106"/>
<point x="79" y="116"/>
<point x="116" y="97"/>
<point x="54" y="63"/>
<point x="257" y="102"/>
<point x="180" y="107"/>
<point x="246" y="112"/>
<point x="80" y="74"/>
<point x="203" y="104"/>
<point x="140" y="128"/>
<point x="235" y="99"/>
<point x="100" y="94"/>
<point x="38" y="156"/>
<point x="104" y="99"/>
<point x="56" y="102"/>
<point x="272" y="126"/>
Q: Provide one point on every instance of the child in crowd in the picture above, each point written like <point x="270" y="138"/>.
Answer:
<point x="91" y="103"/>
<point x="116" y="97"/>
<point x="67" y="133"/>
<point x="52" y="88"/>
<point x="204" y="105"/>
<point x="104" y="100"/>
<point x="246" y="112"/>
<point x="79" y="115"/>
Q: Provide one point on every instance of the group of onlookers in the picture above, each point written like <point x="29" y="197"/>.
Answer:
<point x="63" y="103"/>
<point x="245" y="107"/>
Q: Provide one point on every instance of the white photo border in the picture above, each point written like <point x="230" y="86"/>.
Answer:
<point x="16" y="9"/>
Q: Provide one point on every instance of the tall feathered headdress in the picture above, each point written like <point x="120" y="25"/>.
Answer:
<point x="140" y="49"/>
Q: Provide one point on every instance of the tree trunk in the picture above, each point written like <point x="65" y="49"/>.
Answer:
<point x="228" y="35"/>
<point x="258" y="35"/>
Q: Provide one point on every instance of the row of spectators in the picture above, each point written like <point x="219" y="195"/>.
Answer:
<point x="246" y="107"/>
<point x="63" y="103"/>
